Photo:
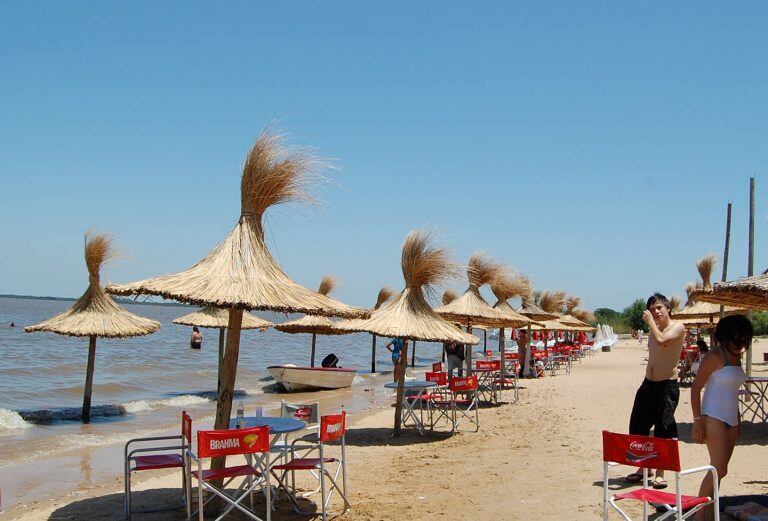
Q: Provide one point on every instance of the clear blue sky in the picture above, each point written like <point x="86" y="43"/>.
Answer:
<point x="592" y="145"/>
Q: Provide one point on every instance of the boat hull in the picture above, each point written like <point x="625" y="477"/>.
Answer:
<point x="294" y="378"/>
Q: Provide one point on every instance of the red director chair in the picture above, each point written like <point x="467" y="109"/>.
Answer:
<point x="460" y="402"/>
<point x="647" y="452"/>
<point x="332" y="428"/>
<point x="251" y="442"/>
<point x="140" y="457"/>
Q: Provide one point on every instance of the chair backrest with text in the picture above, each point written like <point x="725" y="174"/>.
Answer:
<point x="231" y="442"/>
<point x="333" y="427"/>
<point x="488" y="365"/>
<point x="641" y="451"/>
<point x="439" y="378"/>
<point x="463" y="384"/>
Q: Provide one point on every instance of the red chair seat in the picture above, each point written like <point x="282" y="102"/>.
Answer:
<point x="656" y="496"/>
<point x="303" y="464"/>
<point x="228" y="472"/>
<point x="157" y="461"/>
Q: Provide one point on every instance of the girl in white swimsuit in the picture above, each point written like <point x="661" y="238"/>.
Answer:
<point x="716" y="417"/>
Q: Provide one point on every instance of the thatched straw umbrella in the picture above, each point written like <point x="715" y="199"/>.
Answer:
<point x="240" y="273"/>
<point x="384" y="295"/>
<point x="314" y="325"/>
<point x="408" y="315"/>
<point x="706" y="310"/>
<point x="505" y="288"/>
<point x="529" y="309"/>
<point x="746" y="292"/>
<point x="471" y="307"/>
<point x="218" y="318"/>
<point x="95" y="314"/>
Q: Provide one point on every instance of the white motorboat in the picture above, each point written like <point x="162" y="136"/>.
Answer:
<point x="295" y="378"/>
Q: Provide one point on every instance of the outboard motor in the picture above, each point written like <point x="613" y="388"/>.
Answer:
<point x="330" y="361"/>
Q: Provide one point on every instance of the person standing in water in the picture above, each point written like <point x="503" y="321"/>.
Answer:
<point x="196" y="342"/>
<point x="658" y="395"/>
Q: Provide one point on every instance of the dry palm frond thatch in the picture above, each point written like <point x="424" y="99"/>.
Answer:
<point x="704" y="266"/>
<point x="529" y="308"/>
<point x="747" y="292"/>
<point x="311" y="324"/>
<point x="695" y="309"/>
<point x="471" y="307"/>
<point x="240" y="272"/>
<point x="219" y="318"/>
<point x="584" y="315"/>
<point x="572" y="303"/>
<point x="449" y="296"/>
<point x="384" y="295"/>
<point x="552" y="301"/>
<point x="675" y="302"/>
<point x="409" y="315"/>
<point x="95" y="313"/>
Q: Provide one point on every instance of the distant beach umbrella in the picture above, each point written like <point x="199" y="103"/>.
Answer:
<point x="314" y="325"/>
<point x="95" y="314"/>
<point x="471" y="308"/>
<point x="408" y="315"/>
<point x="529" y="309"/>
<point x="696" y="307"/>
<point x="240" y="273"/>
<point x="218" y="318"/>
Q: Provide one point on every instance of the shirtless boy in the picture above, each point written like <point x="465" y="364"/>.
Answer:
<point x="657" y="397"/>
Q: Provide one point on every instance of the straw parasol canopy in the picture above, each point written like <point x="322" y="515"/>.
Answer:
<point x="471" y="307"/>
<point x="555" y="325"/>
<point x="210" y="317"/>
<point x="746" y="292"/>
<point x="314" y="325"/>
<point x="240" y="273"/>
<point x="701" y="309"/>
<point x="532" y="311"/>
<point x="408" y="315"/>
<point x="573" y="321"/>
<point x="95" y="314"/>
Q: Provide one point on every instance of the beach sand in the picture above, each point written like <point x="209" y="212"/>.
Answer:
<point x="535" y="459"/>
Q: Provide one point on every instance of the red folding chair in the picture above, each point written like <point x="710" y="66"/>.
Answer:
<point x="253" y="443"/>
<point x="437" y="367"/>
<point x="461" y="402"/>
<point x="332" y="428"/>
<point x="487" y="375"/>
<point x="652" y="453"/>
<point x="139" y="457"/>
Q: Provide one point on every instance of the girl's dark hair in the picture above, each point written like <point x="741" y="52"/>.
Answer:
<point x="703" y="347"/>
<point x="734" y="333"/>
<point x="195" y="329"/>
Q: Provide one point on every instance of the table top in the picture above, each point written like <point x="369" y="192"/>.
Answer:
<point x="276" y="424"/>
<point x="411" y="384"/>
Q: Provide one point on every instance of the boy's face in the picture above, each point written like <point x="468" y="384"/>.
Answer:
<point x="659" y="311"/>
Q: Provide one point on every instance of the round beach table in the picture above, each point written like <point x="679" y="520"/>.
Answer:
<point x="413" y="387"/>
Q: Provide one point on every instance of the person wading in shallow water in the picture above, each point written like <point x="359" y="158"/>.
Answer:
<point x="196" y="342"/>
<point x="657" y="397"/>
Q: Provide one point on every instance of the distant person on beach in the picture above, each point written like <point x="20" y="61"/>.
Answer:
<point x="523" y="354"/>
<point x="716" y="417"/>
<point x="702" y="345"/>
<point x="196" y="342"/>
<point x="640" y="336"/>
<point x="396" y="350"/>
<point x="454" y="356"/>
<point x="657" y="397"/>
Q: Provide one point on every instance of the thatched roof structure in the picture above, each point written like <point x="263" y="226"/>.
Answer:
<point x="384" y="295"/>
<point x="702" y="309"/>
<point x="314" y="324"/>
<point x="95" y="313"/>
<point x="240" y="272"/>
<point x="743" y="293"/>
<point x="471" y="307"/>
<point x="573" y="321"/>
<point x="534" y="312"/>
<point x="505" y="288"/>
<point x="218" y="318"/>
<point x="409" y="315"/>
<point x="698" y="323"/>
<point x="556" y="325"/>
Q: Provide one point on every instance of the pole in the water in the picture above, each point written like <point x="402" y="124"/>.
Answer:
<point x="312" y="361"/>
<point x="373" y="354"/>
<point x="413" y="355"/>
<point x="86" y="413"/>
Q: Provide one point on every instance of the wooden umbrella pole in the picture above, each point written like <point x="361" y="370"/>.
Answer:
<point x="751" y="257"/>
<point x="228" y="377"/>
<point x="469" y="349"/>
<point x="413" y="355"/>
<point x="485" y="340"/>
<point x="312" y="360"/>
<point x="502" y="350"/>
<point x="727" y="250"/>
<point x="221" y="358"/>
<point x="373" y="354"/>
<point x="86" y="414"/>
<point x="400" y="389"/>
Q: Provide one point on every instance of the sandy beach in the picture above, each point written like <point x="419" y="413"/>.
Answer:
<point x="535" y="459"/>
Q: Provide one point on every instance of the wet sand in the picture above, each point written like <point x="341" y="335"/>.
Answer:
<point x="535" y="459"/>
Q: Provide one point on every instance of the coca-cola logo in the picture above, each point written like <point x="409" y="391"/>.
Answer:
<point x="642" y="447"/>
